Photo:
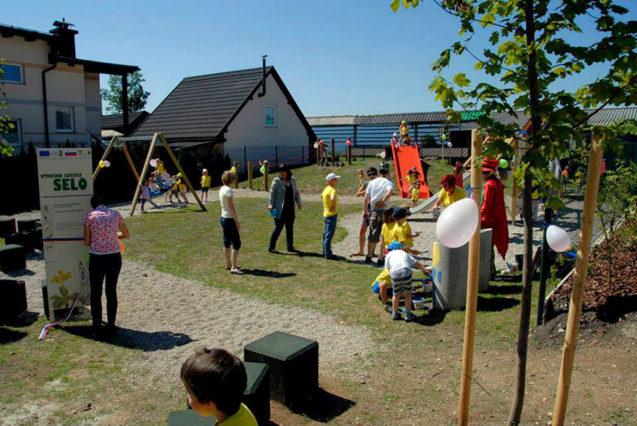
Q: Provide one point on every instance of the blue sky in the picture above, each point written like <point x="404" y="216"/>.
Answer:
<point x="335" y="56"/>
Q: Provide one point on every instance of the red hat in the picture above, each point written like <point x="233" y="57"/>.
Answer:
<point x="489" y="165"/>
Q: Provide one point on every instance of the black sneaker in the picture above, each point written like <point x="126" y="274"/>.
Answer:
<point x="380" y="262"/>
<point x="271" y="250"/>
<point x="409" y="317"/>
<point x="395" y="316"/>
<point x="368" y="259"/>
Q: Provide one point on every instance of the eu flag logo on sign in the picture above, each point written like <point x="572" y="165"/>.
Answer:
<point x="45" y="154"/>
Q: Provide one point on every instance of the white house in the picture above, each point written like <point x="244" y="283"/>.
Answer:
<point x="53" y="96"/>
<point x="234" y="113"/>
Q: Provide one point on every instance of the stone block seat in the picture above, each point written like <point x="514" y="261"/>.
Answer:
<point x="12" y="258"/>
<point x="257" y="393"/>
<point x="7" y="226"/>
<point x="24" y="239"/>
<point x="25" y="225"/>
<point x="13" y="298"/>
<point x="293" y="363"/>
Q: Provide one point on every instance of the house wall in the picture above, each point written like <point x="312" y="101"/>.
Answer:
<point x="248" y="129"/>
<point x="66" y="87"/>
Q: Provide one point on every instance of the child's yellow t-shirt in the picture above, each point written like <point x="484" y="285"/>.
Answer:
<point x="402" y="234"/>
<point x="205" y="181"/>
<point x="387" y="231"/>
<point x="411" y="179"/>
<point x="383" y="277"/>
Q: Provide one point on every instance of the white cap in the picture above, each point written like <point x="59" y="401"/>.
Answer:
<point x="331" y="176"/>
<point x="205" y="170"/>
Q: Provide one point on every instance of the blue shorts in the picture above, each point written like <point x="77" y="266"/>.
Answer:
<point x="230" y="233"/>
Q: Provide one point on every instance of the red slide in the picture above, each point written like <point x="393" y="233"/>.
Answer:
<point x="405" y="158"/>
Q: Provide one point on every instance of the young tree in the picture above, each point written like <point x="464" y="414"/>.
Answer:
<point x="531" y="53"/>
<point x="137" y="96"/>
<point x="5" y="125"/>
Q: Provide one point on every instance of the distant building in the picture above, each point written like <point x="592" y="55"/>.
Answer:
<point x="113" y="124"/>
<point x="53" y="96"/>
<point x="234" y="113"/>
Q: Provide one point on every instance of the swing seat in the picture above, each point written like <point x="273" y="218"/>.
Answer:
<point x="162" y="185"/>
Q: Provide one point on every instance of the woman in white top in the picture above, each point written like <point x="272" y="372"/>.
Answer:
<point x="229" y="223"/>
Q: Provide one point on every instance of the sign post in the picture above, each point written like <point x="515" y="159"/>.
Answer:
<point x="66" y="187"/>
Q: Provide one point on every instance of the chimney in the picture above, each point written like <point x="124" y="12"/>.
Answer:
<point x="263" y="77"/>
<point x="64" y="39"/>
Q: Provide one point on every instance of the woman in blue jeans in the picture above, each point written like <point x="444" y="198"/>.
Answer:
<point x="283" y="195"/>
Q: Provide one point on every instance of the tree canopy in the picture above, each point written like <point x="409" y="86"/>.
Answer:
<point x="531" y="50"/>
<point x="137" y="96"/>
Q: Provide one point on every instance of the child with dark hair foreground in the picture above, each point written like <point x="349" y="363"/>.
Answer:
<point x="215" y="381"/>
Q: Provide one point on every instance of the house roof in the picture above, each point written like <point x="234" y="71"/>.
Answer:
<point x="116" y="121"/>
<point x="608" y="116"/>
<point x="377" y="119"/>
<point x="605" y="116"/>
<point x="98" y="67"/>
<point x="200" y="108"/>
<point x="7" y="31"/>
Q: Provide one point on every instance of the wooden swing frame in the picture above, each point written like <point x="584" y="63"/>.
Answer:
<point x="154" y="140"/>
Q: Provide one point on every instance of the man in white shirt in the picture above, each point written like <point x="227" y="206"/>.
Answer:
<point x="377" y="195"/>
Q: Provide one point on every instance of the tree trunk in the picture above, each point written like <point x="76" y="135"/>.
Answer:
<point x="525" y="308"/>
<point x="527" y="275"/>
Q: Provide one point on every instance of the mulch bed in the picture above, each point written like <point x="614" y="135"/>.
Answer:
<point x="608" y="298"/>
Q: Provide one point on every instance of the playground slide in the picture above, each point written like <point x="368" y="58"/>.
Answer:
<point x="429" y="202"/>
<point x="405" y="158"/>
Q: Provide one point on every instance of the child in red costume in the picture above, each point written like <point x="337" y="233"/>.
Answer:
<point x="493" y="213"/>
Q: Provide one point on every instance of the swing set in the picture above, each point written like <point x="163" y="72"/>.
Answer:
<point x="156" y="140"/>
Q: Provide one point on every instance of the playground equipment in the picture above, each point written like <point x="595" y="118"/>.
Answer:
<point x="154" y="140"/>
<point x="407" y="157"/>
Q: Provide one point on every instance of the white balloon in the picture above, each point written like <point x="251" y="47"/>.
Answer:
<point x="107" y="163"/>
<point x="449" y="144"/>
<point x="457" y="223"/>
<point x="557" y="238"/>
<point x="316" y="145"/>
<point x="153" y="163"/>
<point x="383" y="155"/>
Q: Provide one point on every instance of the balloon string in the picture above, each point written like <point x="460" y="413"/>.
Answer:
<point x="49" y="326"/>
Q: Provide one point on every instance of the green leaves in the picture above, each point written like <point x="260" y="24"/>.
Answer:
<point x="137" y="96"/>
<point x="461" y="80"/>
<point x="442" y="61"/>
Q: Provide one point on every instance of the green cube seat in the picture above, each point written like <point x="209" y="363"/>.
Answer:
<point x="28" y="224"/>
<point x="7" y="226"/>
<point x="257" y="393"/>
<point x="293" y="363"/>
<point x="12" y="258"/>
<point x="13" y="298"/>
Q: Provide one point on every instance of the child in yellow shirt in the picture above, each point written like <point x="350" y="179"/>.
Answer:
<point x="205" y="185"/>
<point x="386" y="234"/>
<point x="402" y="230"/>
